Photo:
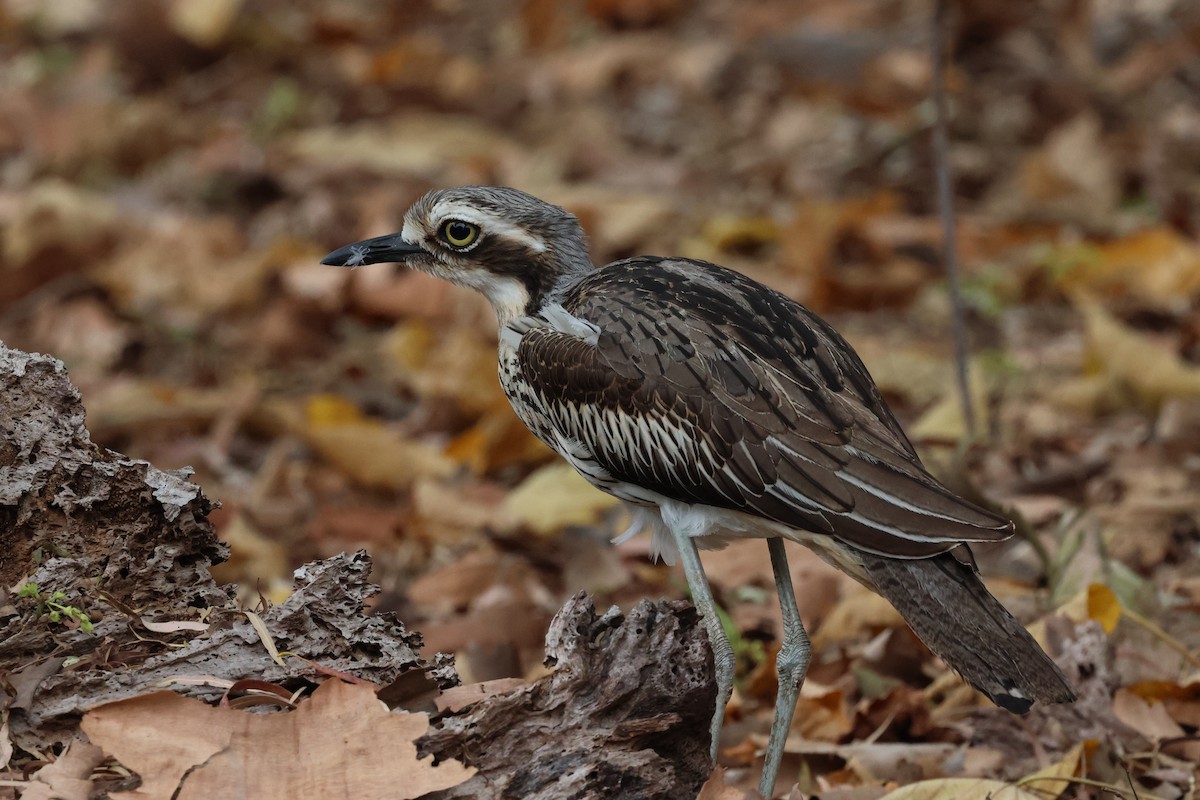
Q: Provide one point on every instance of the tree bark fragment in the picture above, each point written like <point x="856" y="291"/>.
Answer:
<point x="624" y="714"/>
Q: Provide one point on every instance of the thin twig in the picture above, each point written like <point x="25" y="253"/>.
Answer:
<point x="945" y="195"/>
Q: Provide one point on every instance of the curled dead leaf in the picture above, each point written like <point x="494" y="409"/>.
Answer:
<point x="66" y="778"/>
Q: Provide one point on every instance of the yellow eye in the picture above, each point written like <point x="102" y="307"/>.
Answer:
<point x="457" y="233"/>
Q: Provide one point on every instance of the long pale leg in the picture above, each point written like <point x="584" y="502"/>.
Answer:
<point x="722" y="651"/>
<point x="791" y="664"/>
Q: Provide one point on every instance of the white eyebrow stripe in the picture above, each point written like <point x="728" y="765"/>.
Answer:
<point x="489" y="224"/>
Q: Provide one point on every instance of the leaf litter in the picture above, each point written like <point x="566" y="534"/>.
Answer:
<point x="171" y="180"/>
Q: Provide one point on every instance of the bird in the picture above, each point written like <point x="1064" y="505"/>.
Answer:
<point x="718" y="408"/>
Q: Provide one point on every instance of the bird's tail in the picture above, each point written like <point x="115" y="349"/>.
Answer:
<point x="949" y="608"/>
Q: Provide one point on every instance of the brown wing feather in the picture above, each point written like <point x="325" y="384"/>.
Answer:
<point x="758" y="405"/>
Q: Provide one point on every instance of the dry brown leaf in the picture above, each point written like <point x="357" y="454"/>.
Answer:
<point x="1147" y="718"/>
<point x="1056" y="777"/>
<point x="368" y="451"/>
<point x="413" y="144"/>
<point x="1073" y="176"/>
<point x="56" y="214"/>
<point x="822" y="717"/>
<point x="447" y="511"/>
<point x="203" y="22"/>
<point x="715" y="789"/>
<point x="873" y="792"/>
<point x="918" y="375"/>
<point x="875" y="761"/>
<point x="960" y="789"/>
<point x="327" y="747"/>
<point x="188" y="269"/>
<point x="6" y="744"/>
<point x="1157" y="265"/>
<point x="254" y="557"/>
<point x="457" y="698"/>
<point x="125" y="404"/>
<point x="499" y="439"/>
<point x="84" y="333"/>
<point x="450" y="587"/>
<point x="858" y="613"/>
<point x="457" y="363"/>
<point x="66" y="778"/>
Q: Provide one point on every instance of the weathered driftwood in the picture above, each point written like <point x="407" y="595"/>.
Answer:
<point x="625" y="714"/>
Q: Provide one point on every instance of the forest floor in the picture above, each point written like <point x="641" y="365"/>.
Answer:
<point x="171" y="174"/>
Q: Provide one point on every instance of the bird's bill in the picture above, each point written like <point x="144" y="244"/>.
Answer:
<point x="381" y="249"/>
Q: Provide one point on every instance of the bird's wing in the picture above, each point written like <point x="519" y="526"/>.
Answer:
<point x="706" y="387"/>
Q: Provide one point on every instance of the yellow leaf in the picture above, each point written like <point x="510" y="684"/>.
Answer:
<point x="944" y="421"/>
<point x="1130" y="358"/>
<point x="1103" y="606"/>
<point x="377" y="456"/>
<point x="331" y="409"/>
<point x="1053" y="779"/>
<point x="960" y="789"/>
<point x="368" y="451"/>
<point x="858" y="611"/>
<point x="553" y="497"/>
<point x="727" y="233"/>
<point x="1156" y="265"/>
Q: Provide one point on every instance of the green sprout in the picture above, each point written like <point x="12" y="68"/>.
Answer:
<point x="55" y="605"/>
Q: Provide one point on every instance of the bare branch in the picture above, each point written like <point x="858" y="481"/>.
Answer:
<point x="945" y="193"/>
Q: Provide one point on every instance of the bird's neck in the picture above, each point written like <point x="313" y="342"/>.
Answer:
<point x="510" y="299"/>
<point x="525" y="294"/>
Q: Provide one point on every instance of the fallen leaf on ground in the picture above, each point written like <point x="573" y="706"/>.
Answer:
<point x="372" y="453"/>
<point x="327" y="747"/>
<point x="944" y="422"/>
<point x="1096" y="603"/>
<point x="67" y="777"/>
<point x="961" y="789"/>
<point x="203" y="22"/>
<point x="457" y="698"/>
<point x="1152" y="371"/>
<point x="876" y="761"/>
<point x="554" y="497"/>
<point x="1157" y="265"/>
<point x="859" y="612"/>
<point x="415" y="144"/>
<point x="715" y="789"/>
<point x="1055" y="778"/>
<point x="1147" y="718"/>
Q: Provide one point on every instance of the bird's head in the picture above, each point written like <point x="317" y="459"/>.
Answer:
<point x="514" y="248"/>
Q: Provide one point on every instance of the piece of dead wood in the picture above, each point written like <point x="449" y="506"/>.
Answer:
<point x="125" y="541"/>
<point x="624" y="714"/>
